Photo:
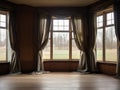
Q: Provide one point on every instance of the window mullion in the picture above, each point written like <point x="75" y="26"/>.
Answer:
<point x="51" y="43"/>
<point x="70" y="42"/>
<point x="104" y="26"/>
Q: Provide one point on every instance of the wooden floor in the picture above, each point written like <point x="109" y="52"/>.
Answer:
<point x="59" y="81"/>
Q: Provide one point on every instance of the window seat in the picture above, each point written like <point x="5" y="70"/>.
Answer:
<point x="4" y="68"/>
<point x="58" y="66"/>
<point x="107" y="68"/>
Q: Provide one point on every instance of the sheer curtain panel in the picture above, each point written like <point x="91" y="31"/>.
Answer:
<point x="43" y="34"/>
<point x="85" y="35"/>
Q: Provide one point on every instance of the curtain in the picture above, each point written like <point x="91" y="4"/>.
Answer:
<point x="43" y="34"/>
<point x="117" y="30"/>
<point x="92" y="33"/>
<point x="85" y="41"/>
<point x="15" y="65"/>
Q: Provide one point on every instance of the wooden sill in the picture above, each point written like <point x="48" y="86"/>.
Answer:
<point x="4" y="62"/>
<point x="107" y="62"/>
<point x="60" y="60"/>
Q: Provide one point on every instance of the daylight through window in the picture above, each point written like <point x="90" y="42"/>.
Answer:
<point x="106" y="42"/>
<point x="61" y="44"/>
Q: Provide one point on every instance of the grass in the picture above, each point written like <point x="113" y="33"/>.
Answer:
<point x="62" y="54"/>
<point x="111" y="55"/>
<point x="2" y="53"/>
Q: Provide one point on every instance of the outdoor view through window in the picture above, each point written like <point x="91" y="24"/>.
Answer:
<point x="2" y="37"/>
<point x="61" y="44"/>
<point x="106" y="41"/>
<point x="5" y="48"/>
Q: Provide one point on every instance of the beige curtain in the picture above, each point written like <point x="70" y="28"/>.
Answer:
<point x="43" y="34"/>
<point x="15" y="64"/>
<point x="85" y="42"/>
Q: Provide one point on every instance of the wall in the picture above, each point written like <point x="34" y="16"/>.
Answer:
<point x="62" y="11"/>
<point x="4" y="5"/>
<point x="25" y="26"/>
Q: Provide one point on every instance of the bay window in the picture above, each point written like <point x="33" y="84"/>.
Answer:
<point x="4" y="36"/>
<point x="61" y="44"/>
<point x="106" y="41"/>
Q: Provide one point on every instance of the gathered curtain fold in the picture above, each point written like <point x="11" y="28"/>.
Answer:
<point x="85" y="41"/>
<point x="43" y="35"/>
<point x="15" y="64"/>
<point x="117" y="31"/>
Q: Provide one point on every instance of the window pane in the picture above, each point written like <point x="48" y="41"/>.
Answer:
<point x="60" y="22"/>
<point x="100" y="24"/>
<point x="110" y="18"/>
<point x="60" y="25"/>
<point x="75" y="51"/>
<point x="100" y="21"/>
<point x="46" y="51"/>
<point x="2" y="45"/>
<point x="2" y="24"/>
<point x="66" y="28"/>
<point x="55" y="22"/>
<point x="111" y="44"/>
<point x="3" y="20"/>
<point x="60" y="28"/>
<point x="55" y="28"/>
<point x="109" y="22"/>
<point x="99" y="44"/>
<point x="66" y="23"/>
<point x="60" y="45"/>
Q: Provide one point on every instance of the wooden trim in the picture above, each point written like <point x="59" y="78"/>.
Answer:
<point x="104" y="25"/>
<point x="107" y="68"/>
<point x="107" y="62"/>
<point x="104" y="13"/>
<point x="61" y="66"/>
<point x="109" y="9"/>
<point x="51" y="43"/>
<point x="70" y="39"/>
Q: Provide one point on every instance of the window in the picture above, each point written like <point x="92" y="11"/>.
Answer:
<point x="3" y="36"/>
<point x="106" y="41"/>
<point x="61" y="44"/>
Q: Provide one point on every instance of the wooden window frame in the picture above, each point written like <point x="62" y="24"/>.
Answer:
<point x="104" y="14"/>
<point x="6" y="28"/>
<point x="70" y="58"/>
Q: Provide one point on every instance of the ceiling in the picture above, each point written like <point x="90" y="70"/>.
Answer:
<point x="54" y="3"/>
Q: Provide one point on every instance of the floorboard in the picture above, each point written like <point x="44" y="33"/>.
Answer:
<point x="59" y="81"/>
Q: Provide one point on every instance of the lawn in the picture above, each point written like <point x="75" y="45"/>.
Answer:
<point x="2" y="53"/>
<point x="111" y="55"/>
<point x="62" y="54"/>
